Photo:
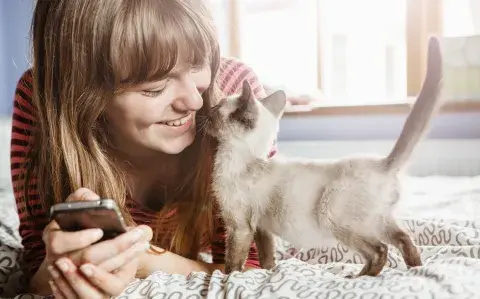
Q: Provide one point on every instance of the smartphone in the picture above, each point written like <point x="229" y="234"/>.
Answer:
<point x="80" y="215"/>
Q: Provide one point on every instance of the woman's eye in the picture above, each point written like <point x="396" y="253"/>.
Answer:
<point x="153" y="93"/>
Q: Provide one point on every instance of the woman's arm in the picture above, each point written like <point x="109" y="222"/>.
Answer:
<point x="231" y="75"/>
<point x="31" y="225"/>
<point x="172" y="263"/>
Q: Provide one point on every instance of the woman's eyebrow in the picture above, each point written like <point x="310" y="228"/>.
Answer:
<point x="175" y="73"/>
<point x="178" y="70"/>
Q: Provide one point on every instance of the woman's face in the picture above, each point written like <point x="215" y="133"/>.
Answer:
<point x="159" y="116"/>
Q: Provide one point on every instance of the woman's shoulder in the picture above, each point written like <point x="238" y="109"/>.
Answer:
<point x="26" y="79"/>
<point x="233" y="72"/>
<point x="23" y="108"/>
<point x="24" y="89"/>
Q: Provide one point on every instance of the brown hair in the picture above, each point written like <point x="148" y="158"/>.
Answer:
<point x="85" y="51"/>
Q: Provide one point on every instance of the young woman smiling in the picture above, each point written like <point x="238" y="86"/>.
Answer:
<point x="111" y="109"/>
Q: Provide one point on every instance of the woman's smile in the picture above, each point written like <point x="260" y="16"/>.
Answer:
<point x="179" y="125"/>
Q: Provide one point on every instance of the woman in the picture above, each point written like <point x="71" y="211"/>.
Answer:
<point x="112" y="108"/>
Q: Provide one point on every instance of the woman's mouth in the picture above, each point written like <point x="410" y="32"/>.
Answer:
<point x="177" y="122"/>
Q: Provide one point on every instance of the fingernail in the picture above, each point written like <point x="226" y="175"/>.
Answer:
<point x="62" y="265"/>
<point x="97" y="233"/>
<point x="137" y="234"/>
<point x="53" y="272"/>
<point x="87" y="270"/>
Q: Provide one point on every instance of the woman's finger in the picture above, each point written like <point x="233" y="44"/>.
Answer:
<point x="82" y="194"/>
<point x="55" y="291"/>
<point x="62" y="286"/>
<point x="81" y="286"/>
<point x="125" y="257"/>
<point x="51" y="228"/>
<point x="60" y="242"/>
<point x="103" y="251"/>
<point x="111" y="284"/>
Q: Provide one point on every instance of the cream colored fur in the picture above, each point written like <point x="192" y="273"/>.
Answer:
<point x="309" y="202"/>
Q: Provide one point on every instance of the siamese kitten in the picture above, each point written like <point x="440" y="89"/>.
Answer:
<point x="310" y="202"/>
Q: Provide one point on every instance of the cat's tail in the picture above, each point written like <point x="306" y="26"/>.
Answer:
<point x="423" y="110"/>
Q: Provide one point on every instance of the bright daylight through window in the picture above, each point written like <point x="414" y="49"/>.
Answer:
<point x="356" y="52"/>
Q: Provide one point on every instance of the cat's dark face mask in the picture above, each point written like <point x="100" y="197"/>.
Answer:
<point x="241" y="114"/>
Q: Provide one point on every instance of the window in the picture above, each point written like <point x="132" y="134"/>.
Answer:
<point x="458" y="18"/>
<point x="363" y="50"/>
<point x="280" y="42"/>
<point x="356" y="52"/>
<point x="461" y="48"/>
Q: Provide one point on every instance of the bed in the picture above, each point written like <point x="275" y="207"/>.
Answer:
<point x="441" y="212"/>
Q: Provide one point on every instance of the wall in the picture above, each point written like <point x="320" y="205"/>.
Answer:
<point x="383" y="127"/>
<point x="3" y="54"/>
<point x="15" y="17"/>
<point x="448" y="157"/>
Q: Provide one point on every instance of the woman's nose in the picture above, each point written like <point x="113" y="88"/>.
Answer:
<point x="189" y="97"/>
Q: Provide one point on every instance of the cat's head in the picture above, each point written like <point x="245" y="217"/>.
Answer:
<point x="244" y="118"/>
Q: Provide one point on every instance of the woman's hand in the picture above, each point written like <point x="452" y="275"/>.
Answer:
<point x="81" y="269"/>
<point x="90" y="281"/>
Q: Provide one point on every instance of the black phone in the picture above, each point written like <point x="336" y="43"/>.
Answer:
<point x="80" y="215"/>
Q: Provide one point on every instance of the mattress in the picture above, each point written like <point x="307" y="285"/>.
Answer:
<point x="441" y="213"/>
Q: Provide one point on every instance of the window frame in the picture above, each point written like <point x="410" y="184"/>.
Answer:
<point x="424" y="18"/>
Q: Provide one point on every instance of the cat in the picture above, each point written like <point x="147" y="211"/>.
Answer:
<point x="311" y="202"/>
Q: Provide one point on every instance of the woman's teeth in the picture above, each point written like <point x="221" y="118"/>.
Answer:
<point x="177" y="122"/>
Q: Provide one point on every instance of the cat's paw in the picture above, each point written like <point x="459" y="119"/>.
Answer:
<point x="412" y="258"/>
<point x="233" y="268"/>
<point x="269" y="265"/>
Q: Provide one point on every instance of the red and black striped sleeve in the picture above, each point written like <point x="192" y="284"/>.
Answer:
<point x="34" y="219"/>
<point x="232" y="73"/>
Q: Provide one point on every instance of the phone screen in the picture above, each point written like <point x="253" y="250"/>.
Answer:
<point x="103" y="218"/>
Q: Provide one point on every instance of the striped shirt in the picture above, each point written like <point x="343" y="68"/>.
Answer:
<point x="231" y="75"/>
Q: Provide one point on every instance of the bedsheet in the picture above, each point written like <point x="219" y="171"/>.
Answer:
<point x="441" y="213"/>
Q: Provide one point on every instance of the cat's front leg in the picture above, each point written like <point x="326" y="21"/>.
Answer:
<point x="265" y="243"/>
<point x="239" y="239"/>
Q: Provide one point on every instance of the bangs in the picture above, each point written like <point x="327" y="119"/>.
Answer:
<point x="150" y="37"/>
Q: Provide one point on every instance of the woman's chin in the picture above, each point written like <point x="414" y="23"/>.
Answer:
<point x="176" y="145"/>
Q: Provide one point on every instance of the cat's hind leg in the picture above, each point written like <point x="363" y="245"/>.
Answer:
<point x="401" y="240"/>
<point x="238" y="241"/>
<point x="374" y="252"/>
<point x="266" y="248"/>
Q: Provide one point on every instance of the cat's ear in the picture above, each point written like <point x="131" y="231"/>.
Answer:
<point x="246" y="112"/>
<point x="275" y="102"/>
<point x="247" y="95"/>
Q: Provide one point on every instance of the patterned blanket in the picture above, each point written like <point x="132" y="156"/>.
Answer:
<point x="442" y="213"/>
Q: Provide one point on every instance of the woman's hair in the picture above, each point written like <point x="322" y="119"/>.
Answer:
<point x="84" y="53"/>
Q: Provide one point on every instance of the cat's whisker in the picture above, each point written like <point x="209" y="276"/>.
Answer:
<point x="203" y="125"/>
<point x="201" y="119"/>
